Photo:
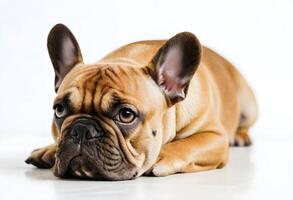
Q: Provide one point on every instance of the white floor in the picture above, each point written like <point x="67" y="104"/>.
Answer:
<point x="263" y="171"/>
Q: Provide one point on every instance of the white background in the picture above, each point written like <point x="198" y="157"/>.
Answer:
<point x="255" y="35"/>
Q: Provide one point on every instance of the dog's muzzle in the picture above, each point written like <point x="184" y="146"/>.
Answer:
<point x="89" y="151"/>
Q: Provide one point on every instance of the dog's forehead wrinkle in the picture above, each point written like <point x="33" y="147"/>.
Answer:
<point x="89" y="91"/>
<point x="82" y="88"/>
<point x="122" y="75"/>
<point x="118" y="83"/>
<point x="94" y="91"/>
<point x="112" y="97"/>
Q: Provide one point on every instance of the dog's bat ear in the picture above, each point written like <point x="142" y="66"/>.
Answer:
<point x="174" y="65"/>
<point x="64" y="52"/>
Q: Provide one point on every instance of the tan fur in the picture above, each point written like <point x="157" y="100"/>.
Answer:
<point x="209" y="116"/>
<point x="217" y="87"/>
<point x="194" y="134"/>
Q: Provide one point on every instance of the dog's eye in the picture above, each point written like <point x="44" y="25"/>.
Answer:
<point x="60" y="111"/>
<point x="126" y="115"/>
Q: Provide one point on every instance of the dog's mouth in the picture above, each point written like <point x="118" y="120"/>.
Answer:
<point x="84" y="153"/>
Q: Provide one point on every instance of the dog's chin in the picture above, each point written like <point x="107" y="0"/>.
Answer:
<point x="81" y="167"/>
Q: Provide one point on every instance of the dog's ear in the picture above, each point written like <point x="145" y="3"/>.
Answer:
<point x="174" y="65"/>
<point x="64" y="52"/>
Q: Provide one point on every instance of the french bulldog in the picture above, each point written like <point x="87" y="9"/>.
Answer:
<point x="154" y="107"/>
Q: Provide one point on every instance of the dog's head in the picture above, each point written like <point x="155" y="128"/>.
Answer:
<point x="108" y="117"/>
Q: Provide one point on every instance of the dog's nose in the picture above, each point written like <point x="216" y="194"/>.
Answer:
<point x="85" y="131"/>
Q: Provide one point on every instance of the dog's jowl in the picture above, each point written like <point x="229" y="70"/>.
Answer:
<point x="150" y="107"/>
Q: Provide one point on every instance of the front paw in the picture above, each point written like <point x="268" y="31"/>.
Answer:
<point x="43" y="157"/>
<point x="168" y="163"/>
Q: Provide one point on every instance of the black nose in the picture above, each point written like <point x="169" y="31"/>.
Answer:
<point x="85" y="131"/>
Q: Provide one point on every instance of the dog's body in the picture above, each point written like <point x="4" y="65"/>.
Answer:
<point x="217" y="90"/>
<point x="190" y="131"/>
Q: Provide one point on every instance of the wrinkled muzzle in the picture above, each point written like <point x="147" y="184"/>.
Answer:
<point x="89" y="150"/>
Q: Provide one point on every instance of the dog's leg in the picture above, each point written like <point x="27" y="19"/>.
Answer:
<point x="241" y="138"/>
<point x="43" y="157"/>
<point x="201" y="151"/>
<point x="248" y="113"/>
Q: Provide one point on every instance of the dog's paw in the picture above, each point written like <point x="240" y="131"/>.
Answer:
<point x="165" y="167"/>
<point x="241" y="138"/>
<point x="169" y="162"/>
<point x="43" y="157"/>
